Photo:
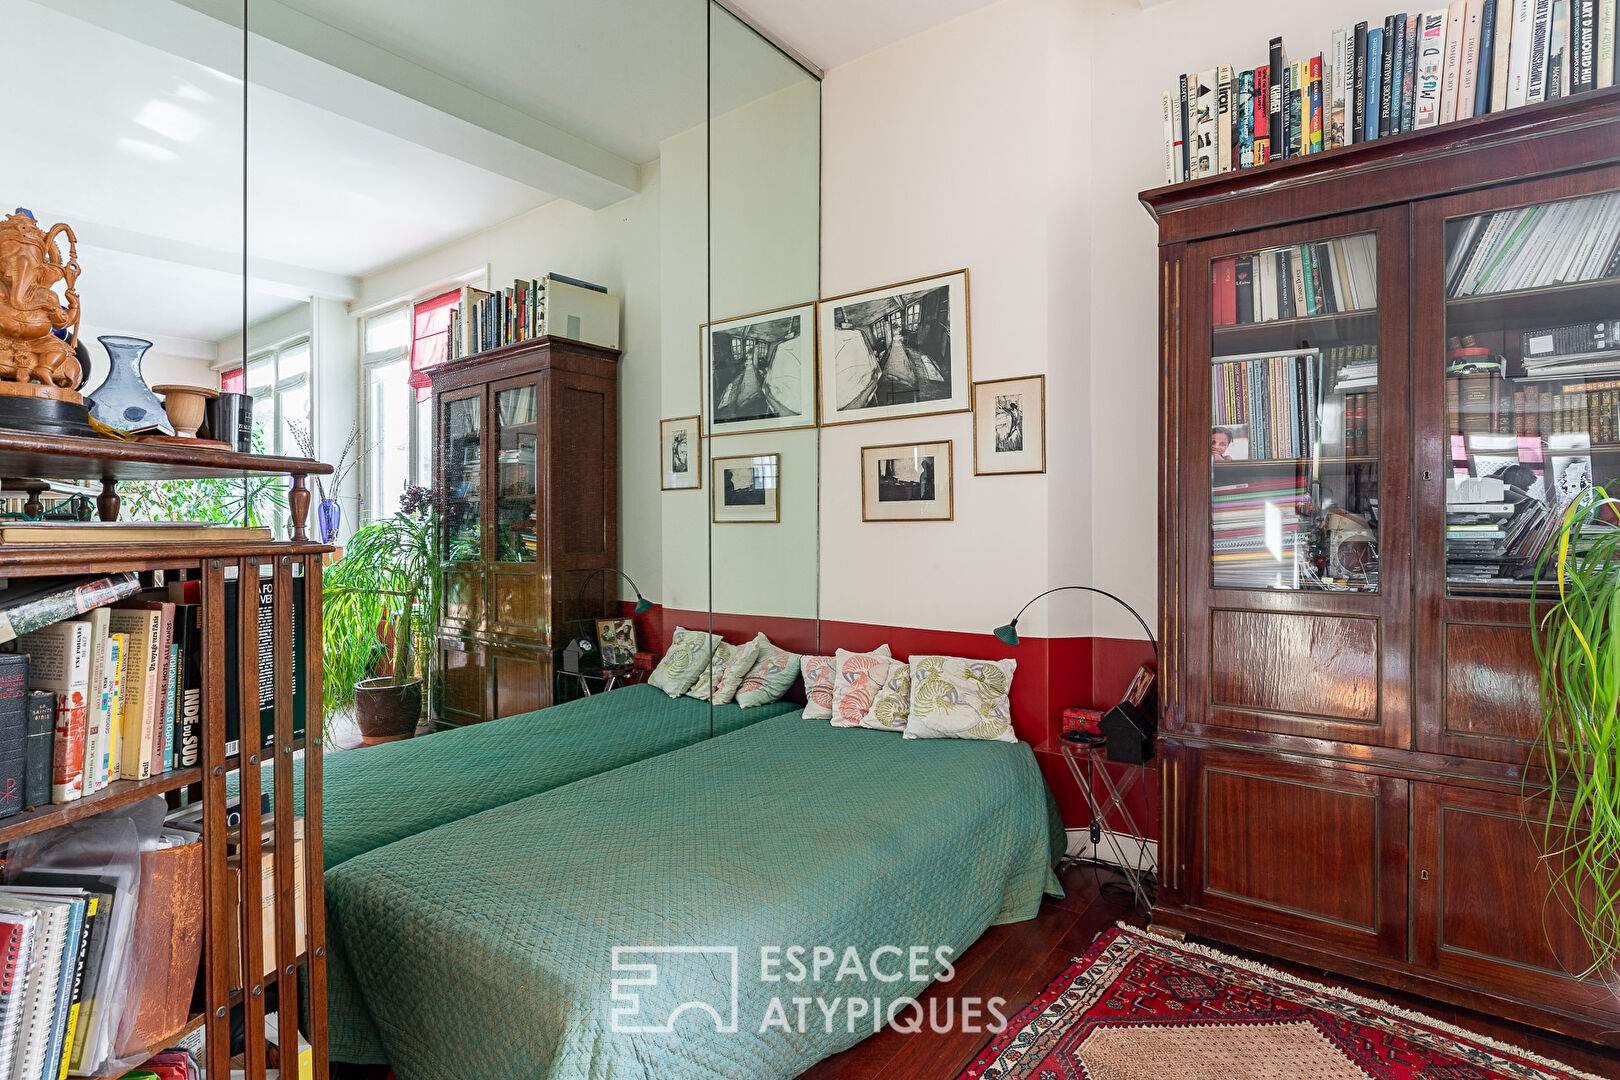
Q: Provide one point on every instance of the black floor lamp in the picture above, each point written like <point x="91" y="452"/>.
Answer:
<point x="581" y="657"/>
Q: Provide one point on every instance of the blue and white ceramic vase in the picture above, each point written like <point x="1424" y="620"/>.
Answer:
<point x="123" y="401"/>
<point x="329" y="519"/>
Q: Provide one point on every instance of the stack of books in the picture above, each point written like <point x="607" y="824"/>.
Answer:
<point x="1494" y="531"/>
<point x="1409" y="72"/>
<point x="1258" y="528"/>
<point x="1268" y="405"/>
<point x="1331" y="277"/>
<point x="1590" y="348"/>
<point x="1355" y="367"/>
<point x="1532" y="247"/>
<point x="532" y="309"/>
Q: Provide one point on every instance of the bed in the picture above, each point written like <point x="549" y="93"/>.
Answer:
<point x="375" y="795"/>
<point x="482" y="949"/>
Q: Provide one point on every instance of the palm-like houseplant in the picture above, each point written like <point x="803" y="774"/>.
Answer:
<point x="378" y="605"/>
<point x="1577" y="644"/>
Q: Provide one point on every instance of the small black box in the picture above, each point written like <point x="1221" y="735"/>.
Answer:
<point x="1129" y="730"/>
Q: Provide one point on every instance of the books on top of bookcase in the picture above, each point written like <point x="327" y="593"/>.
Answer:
<point x="1404" y="72"/>
<point x="532" y="309"/>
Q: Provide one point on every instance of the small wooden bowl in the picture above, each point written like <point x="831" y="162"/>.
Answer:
<point x="185" y="405"/>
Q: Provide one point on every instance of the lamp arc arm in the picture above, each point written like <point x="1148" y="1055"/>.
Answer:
<point x="1152" y="640"/>
<point x="586" y="584"/>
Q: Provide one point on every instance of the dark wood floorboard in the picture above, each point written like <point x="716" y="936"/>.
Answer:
<point x="1017" y="962"/>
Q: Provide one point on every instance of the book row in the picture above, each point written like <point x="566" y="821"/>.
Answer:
<point x="1413" y="71"/>
<point x="1296" y="282"/>
<point x="1487" y="404"/>
<point x="116" y="693"/>
<point x="1266" y="407"/>
<point x="1531" y="247"/>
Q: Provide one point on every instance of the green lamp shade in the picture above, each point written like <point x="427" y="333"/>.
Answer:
<point x="1008" y="633"/>
<point x="644" y="604"/>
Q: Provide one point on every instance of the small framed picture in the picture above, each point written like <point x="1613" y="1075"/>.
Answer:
<point x="902" y="350"/>
<point x="759" y="371"/>
<point x="747" y="489"/>
<point x="680" y="447"/>
<point x="616" y="638"/>
<point x="1009" y="426"/>
<point x="907" y="482"/>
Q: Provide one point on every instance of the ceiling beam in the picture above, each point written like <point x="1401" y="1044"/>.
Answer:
<point x="297" y="55"/>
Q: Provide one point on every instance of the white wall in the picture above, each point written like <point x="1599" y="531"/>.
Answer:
<point x="185" y="363"/>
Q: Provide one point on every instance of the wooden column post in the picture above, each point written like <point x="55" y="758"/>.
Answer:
<point x="298" y="503"/>
<point x="108" y="503"/>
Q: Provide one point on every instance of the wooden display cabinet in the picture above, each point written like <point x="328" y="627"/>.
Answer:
<point x="526" y="485"/>
<point x="1351" y="699"/>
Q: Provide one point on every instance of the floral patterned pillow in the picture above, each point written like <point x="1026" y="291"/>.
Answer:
<point x="856" y="684"/>
<point x="952" y="698"/>
<point x="818" y="672"/>
<point x="709" y="681"/>
<point x="743" y="659"/>
<point x="686" y="660"/>
<point x="771" y="677"/>
<point x="892" y="703"/>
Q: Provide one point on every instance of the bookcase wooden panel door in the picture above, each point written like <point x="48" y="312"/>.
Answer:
<point x="1300" y="534"/>
<point x="1513" y="417"/>
<point x="1272" y="833"/>
<point x="1480" y="907"/>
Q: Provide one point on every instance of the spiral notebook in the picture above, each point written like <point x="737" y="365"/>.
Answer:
<point x="17" y="929"/>
<point x="31" y="1056"/>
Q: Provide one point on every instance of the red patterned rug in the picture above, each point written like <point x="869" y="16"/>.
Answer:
<point x="1138" y="1007"/>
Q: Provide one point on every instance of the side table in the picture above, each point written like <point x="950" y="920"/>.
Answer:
<point x="1087" y="758"/>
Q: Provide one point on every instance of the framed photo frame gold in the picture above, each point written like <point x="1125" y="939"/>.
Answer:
<point x="897" y="351"/>
<point x="1009" y="426"/>
<point x="759" y="372"/>
<point x="680" y="452"/>
<point x="908" y="482"/>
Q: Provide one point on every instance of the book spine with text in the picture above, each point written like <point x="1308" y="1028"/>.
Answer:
<point x="1583" y="20"/>
<point x="1244" y="151"/>
<point x="1275" y="102"/>
<point x="1414" y="29"/>
<point x="37" y="752"/>
<point x="1223" y="118"/>
<point x="1604" y="47"/>
<point x="1468" y="72"/>
<point x="13" y="730"/>
<point x="1375" y="82"/>
<point x="1486" y="76"/>
<point x="1451" y="73"/>
<point x="1558" y="52"/>
<point x="1172" y="145"/>
<point x="1342" y="65"/>
<point x="1262" y="115"/>
<point x="1431" y="68"/>
<point x="1386" y="77"/>
<point x="1540" y="31"/>
<point x="1204" y="107"/>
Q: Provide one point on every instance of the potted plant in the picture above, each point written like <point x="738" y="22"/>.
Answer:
<point x="1577" y="645"/>
<point x="378" y="603"/>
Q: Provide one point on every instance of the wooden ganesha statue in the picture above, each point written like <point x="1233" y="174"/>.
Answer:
<point x="34" y="361"/>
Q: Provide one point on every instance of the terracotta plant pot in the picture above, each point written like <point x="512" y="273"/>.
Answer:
<point x="386" y="710"/>
<point x="185" y="405"/>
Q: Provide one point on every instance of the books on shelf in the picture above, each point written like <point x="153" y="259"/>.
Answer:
<point x="1554" y="243"/>
<point x="1257" y="526"/>
<point x="1405" y="72"/>
<point x="124" y="532"/>
<point x="1268" y="404"/>
<point x="1327" y="277"/>
<point x="30" y="604"/>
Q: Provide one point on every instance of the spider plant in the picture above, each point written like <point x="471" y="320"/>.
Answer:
<point x="387" y="581"/>
<point x="1577" y="645"/>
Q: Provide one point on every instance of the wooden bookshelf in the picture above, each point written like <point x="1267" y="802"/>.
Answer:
<point x="1551" y="305"/>
<point x="29" y="456"/>
<point x="1284" y="335"/>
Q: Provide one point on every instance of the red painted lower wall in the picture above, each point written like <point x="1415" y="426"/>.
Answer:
<point x="1052" y="674"/>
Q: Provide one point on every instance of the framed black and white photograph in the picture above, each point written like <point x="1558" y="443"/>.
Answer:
<point x="907" y="482"/>
<point x="1009" y="426"/>
<point x="759" y="372"/>
<point x="902" y="350"/>
<point x="680" y="449"/>
<point x="747" y="489"/>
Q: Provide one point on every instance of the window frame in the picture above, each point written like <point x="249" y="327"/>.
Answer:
<point x="280" y="385"/>
<point x="419" y="467"/>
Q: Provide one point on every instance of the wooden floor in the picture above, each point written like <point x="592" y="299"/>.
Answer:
<point x="1016" y="962"/>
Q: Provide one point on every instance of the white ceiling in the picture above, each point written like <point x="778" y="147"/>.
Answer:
<point x="377" y="129"/>
<point x="833" y="32"/>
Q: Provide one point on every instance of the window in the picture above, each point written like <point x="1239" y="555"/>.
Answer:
<point x="278" y="381"/>
<point x="400" y="345"/>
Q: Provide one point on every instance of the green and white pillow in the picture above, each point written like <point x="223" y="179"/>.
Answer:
<point x="686" y="660"/>
<point x="819" y="672"/>
<point x="743" y="659"/>
<point x="892" y="704"/>
<point x="952" y="698"/>
<point x="771" y="677"/>
<point x="856" y="683"/>
<point x="708" y="682"/>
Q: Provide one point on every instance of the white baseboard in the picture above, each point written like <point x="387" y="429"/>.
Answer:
<point x="1143" y="853"/>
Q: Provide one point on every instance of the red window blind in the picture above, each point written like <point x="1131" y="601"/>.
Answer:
<point x="233" y="381"/>
<point x="430" y="338"/>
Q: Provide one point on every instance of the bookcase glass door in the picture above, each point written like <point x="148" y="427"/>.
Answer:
<point x="516" y="475"/>
<point x="1532" y="382"/>
<point x="1294" y="424"/>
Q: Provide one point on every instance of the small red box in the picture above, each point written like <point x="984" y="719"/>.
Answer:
<point x="644" y="661"/>
<point x="1076" y="718"/>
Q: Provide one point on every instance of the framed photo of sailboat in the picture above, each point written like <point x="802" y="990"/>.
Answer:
<point x="899" y="351"/>
<point x="759" y="372"/>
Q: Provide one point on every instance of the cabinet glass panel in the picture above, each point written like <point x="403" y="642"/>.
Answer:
<point x="1532" y="377"/>
<point x="463" y="487"/>
<point x="1294" y="425"/>
<point x="516" y="417"/>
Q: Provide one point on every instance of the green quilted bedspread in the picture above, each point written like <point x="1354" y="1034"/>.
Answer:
<point x="374" y="795"/>
<point x="484" y="949"/>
